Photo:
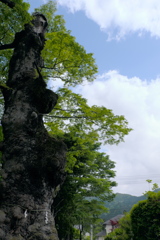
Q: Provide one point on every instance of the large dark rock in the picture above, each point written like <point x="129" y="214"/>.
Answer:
<point x="33" y="161"/>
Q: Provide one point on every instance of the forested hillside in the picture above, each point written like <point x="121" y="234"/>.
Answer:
<point x="121" y="203"/>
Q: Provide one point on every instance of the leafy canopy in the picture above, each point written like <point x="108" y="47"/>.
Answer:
<point x="12" y="20"/>
<point x="73" y="107"/>
<point x="87" y="186"/>
<point x="145" y="218"/>
<point x="64" y="58"/>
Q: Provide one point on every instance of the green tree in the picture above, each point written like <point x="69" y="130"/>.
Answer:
<point x="88" y="183"/>
<point x="154" y="187"/>
<point x="145" y="218"/>
<point x="149" y="182"/>
<point x="64" y="58"/>
<point x="67" y="60"/>
<point x="13" y="16"/>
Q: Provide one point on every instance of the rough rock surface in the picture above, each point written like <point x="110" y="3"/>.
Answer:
<point x="33" y="161"/>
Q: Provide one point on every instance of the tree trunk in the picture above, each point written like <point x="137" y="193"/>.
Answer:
<point x="33" y="161"/>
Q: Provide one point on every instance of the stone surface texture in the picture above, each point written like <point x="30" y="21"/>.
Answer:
<point x="33" y="161"/>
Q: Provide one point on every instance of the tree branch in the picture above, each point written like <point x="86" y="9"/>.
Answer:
<point x="67" y="117"/>
<point x="66" y="110"/>
<point x="7" y="46"/>
<point x="8" y="3"/>
<point x="16" y="40"/>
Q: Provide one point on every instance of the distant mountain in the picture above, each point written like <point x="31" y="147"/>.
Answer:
<point x="121" y="203"/>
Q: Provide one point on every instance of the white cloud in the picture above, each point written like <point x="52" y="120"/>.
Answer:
<point x="55" y="83"/>
<point x="137" y="159"/>
<point x="120" y="17"/>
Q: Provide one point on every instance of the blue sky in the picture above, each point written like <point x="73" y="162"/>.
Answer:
<point x="131" y="56"/>
<point x="125" y="40"/>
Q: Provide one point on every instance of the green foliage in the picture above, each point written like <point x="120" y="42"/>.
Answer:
<point x="73" y="107"/>
<point x="12" y="20"/>
<point x="148" y="180"/>
<point x="154" y="187"/>
<point x="64" y="58"/>
<point x="89" y="176"/>
<point x="67" y="59"/>
<point x="145" y="218"/>
<point x="125" y="226"/>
